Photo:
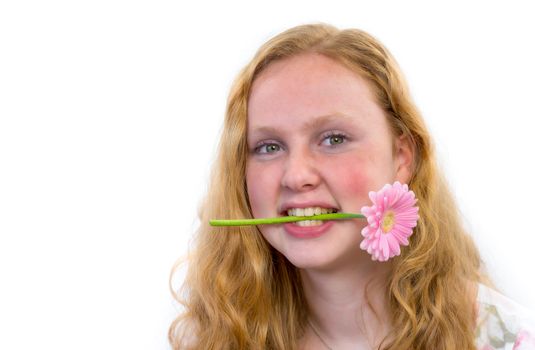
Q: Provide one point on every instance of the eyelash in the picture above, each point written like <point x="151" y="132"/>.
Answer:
<point x="324" y="137"/>
<point x="265" y="144"/>
<point x="331" y="134"/>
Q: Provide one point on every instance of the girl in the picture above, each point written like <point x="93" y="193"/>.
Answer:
<point x="318" y="119"/>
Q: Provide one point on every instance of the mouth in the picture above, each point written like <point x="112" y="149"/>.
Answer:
<point x="309" y="211"/>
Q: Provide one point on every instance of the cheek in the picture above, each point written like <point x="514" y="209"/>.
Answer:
<point x="261" y="189"/>
<point x="356" y="177"/>
<point x="353" y="180"/>
<point x="353" y="170"/>
<point x="372" y="170"/>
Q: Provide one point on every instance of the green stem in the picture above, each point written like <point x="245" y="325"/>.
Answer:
<point x="285" y="219"/>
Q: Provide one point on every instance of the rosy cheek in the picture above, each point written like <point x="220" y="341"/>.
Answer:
<point x="253" y="200"/>
<point x="254" y="190"/>
<point x="260" y="191"/>
<point x="355" y="181"/>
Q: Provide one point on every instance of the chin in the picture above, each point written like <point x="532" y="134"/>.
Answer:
<point x="311" y="260"/>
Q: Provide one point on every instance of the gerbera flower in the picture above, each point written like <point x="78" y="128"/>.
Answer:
<point x="391" y="220"/>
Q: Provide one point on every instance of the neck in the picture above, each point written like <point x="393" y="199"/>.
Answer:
<point x="347" y="305"/>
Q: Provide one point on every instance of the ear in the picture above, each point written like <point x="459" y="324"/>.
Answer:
<point x="403" y="158"/>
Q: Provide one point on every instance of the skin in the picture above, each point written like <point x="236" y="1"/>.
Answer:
<point x="315" y="133"/>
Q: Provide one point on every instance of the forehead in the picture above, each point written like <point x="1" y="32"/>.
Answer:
<point x="309" y="86"/>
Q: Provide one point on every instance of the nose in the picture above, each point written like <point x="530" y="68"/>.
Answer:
<point x="300" y="172"/>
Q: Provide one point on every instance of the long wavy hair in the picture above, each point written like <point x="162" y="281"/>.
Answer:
<point x="240" y="293"/>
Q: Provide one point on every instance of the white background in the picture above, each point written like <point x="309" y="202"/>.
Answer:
<point x="109" y="115"/>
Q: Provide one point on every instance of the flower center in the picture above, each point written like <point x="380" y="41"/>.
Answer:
<point x="388" y="222"/>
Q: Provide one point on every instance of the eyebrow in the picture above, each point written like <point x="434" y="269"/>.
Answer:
<point x="309" y="125"/>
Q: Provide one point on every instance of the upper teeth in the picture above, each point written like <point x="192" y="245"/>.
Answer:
<point x="309" y="211"/>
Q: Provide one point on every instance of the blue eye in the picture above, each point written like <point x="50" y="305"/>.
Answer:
<point x="267" y="148"/>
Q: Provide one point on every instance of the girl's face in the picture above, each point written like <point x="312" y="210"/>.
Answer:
<point x="317" y="139"/>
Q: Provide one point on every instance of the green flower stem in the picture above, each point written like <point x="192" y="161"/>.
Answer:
<point x="285" y="219"/>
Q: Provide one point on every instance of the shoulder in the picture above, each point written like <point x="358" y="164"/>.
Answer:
<point x="502" y="324"/>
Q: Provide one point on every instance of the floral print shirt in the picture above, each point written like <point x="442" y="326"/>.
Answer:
<point x="502" y="324"/>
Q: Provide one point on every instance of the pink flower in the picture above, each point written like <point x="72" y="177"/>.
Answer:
<point x="390" y="221"/>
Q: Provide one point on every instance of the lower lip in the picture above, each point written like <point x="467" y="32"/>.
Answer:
<point x="307" y="231"/>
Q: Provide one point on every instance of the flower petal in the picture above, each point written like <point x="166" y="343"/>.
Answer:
<point x="394" y="198"/>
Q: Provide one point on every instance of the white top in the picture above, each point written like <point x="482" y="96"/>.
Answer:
<point x="502" y="324"/>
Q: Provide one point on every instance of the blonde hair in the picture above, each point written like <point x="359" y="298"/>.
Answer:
<point x="240" y="293"/>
